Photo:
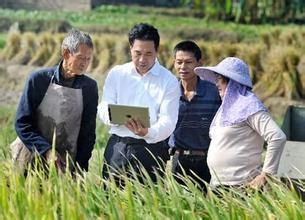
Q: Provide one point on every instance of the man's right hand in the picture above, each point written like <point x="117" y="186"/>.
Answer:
<point x="59" y="162"/>
<point x="135" y="126"/>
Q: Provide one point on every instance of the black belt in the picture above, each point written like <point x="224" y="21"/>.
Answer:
<point x="130" y="140"/>
<point x="180" y="151"/>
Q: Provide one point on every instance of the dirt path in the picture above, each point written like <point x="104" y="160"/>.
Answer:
<point x="12" y="80"/>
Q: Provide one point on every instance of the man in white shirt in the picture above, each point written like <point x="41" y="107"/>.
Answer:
<point x="142" y="82"/>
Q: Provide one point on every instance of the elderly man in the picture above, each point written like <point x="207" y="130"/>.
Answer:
<point x="63" y="101"/>
<point x="142" y="82"/>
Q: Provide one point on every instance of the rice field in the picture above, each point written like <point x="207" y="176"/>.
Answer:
<point x="275" y="56"/>
<point x="59" y="196"/>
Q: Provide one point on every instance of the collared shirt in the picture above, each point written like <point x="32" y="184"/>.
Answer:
<point x="195" y="117"/>
<point x="158" y="90"/>
<point x="34" y="91"/>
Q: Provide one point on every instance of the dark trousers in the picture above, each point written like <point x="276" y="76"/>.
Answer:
<point x="124" y="154"/>
<point x="190" y="164"/>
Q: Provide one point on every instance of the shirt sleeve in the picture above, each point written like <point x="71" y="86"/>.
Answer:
<point x="168" y="115"/>
<point x="109" y="97"/>
<point x="33" y="93"/>
<point x="265" y="126"/>
<point x="87" y="136"/>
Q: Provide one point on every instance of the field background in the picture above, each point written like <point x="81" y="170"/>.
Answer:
<point x="31" y="39"/>
<point x="275" y="53"/>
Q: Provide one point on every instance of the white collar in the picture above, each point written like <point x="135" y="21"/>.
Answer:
<point x="155" y="69"/>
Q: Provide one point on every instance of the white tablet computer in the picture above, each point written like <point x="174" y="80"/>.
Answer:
<point x="119" y="114"/>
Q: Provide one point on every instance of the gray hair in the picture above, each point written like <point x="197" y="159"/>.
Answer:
<point x="73" y="39"/>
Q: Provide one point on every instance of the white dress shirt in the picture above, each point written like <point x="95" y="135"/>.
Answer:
<point x="158" y="90"/>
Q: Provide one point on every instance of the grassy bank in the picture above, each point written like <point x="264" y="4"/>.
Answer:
<point x="119" y="19"/>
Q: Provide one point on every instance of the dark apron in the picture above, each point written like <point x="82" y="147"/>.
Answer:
<point x="61" y="111"/>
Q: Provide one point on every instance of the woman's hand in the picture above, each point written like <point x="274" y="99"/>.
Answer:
<point x="259" y="181"/>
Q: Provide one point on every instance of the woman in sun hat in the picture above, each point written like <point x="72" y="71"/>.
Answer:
<point x="239" y="129"/>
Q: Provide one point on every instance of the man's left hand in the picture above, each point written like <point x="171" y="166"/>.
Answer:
<point x="135" y="126"/>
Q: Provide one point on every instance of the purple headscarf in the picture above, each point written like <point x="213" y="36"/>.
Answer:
<point x="238" y="103"/>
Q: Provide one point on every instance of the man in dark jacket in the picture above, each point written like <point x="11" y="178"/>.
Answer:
<point x="59" y="103"/>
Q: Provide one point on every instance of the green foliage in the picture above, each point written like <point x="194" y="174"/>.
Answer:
<point x="2" y="41"/>
<point x="7" y="135"/>
<point x="102" y="135"/>
<point x="59" y="196"/>
<point x="252" y="11"/>
<point x="34" y="25"/>
<point x="119" y="19"/>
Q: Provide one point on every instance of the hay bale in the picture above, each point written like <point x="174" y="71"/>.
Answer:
<point x="55" y="51"/>
<point x="27" y="49"/>
<point x="279" y="73"/>
<point x="45" y="50"/>
<point x="301" y="76"/>
<point x="12" y="47"/>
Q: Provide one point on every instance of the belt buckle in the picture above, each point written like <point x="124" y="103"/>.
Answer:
<point x="187" y="152"/>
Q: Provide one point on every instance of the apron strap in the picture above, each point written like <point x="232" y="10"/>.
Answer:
<point x="52" y="78"/>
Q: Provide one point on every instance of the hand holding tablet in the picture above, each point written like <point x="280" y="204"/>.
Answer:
<point x="121" y="114"/>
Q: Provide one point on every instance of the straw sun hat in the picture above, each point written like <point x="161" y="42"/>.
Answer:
<point x="231" y="67"/>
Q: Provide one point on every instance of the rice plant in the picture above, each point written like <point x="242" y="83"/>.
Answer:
<point x="280" y="68"/>
<point x="88" y="196"/>
<point x="275" y="59"/>
<point x="55" y="50"/>
<point x="27" y="49"/>
<point x="105" y="56"/>
<point x="46" y="47"/>
<point x="12" y="46"/>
